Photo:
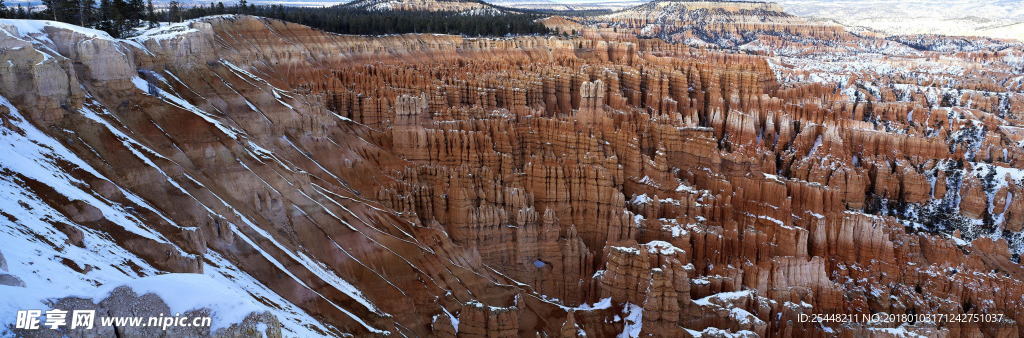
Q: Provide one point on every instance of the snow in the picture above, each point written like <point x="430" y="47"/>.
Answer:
<point x="295" y="321"/>
<point x="37" y="258"/>
<point x="183" y="292"/>
<point x="37" y="29"/>
<point x="31" y="155"/>
<point x="677" y="230"/>
<point x="477" y="304"/>
<point x="314" y="267"/>
<point x="328" y="275"/>
<point x="641" y="199"/>
<point x="995" y="179"/>
<point x="604" y="303"/>
<point x="634" y="321"/>
<point x="648" y="181"/>
<point x="899" y="332"/>
<point x="814" y="148"/>
<point x="671" y="201"/>
<point x="722" y="297"/>
<point x="685" y="188"/>
<point x="136" y="149"/>
<point x="34" y="249"/>
<point x="241" y="71"/>
<point x="792" y="305"/>
<point x="452" y="318"/>
<point x="958" y="241"/>
<point x="568" y="4"/>
<point x="181" y="103"/>
<point x="306" y="154"/>
<point x="744" y="318"/>
<point x="773" y="177"/>
<point x="281" y="267"/>
<point x="774" y="220"/>
<point x="998" y="18"/>
<point x="664" y="248"/>
<point x="628" y="250"/>
<point x="38" y="264"/>
<point x="717" y="332"/>
<point x="1003" y="175"/>
<point x="166" y="31"/>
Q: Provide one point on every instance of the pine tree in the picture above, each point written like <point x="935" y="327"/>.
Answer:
<point x="120" y="18"/>
<point x="102" y="15"/>
<point x="86" y="13"/>
<point x="150" y="13"/>
<point x="112" y="18"/>
<point x="62" y="10"/>
<point x="136" y="13"/>
<point x="51" y="9"/>
<point x="4" y="12"/>
<point x="174" y="11"/>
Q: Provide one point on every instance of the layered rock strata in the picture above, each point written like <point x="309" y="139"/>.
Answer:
<point x="441" y="186"/>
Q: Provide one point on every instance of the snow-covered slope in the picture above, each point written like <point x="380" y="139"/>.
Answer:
<point x="62" y="238"/>
<point x="568" y="4"/>
<point x="470" y="7"/>
<point x="998" y="18"/>
<point x="123" y="167"/>
<point x="47" y="251"/>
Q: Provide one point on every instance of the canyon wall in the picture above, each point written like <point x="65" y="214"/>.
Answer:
<point x="429" y="185"/>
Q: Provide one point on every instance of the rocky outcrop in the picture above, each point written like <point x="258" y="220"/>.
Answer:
<point x="718" y="23"/>
<point x="464" y="7"/>
<point x="6" y="278"/>
<point x="123" y="302"/>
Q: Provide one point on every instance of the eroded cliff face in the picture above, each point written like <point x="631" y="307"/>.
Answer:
<point x="429" y="185"/>
<point x="461" y="7"/>
<point x="728" y="24"/>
